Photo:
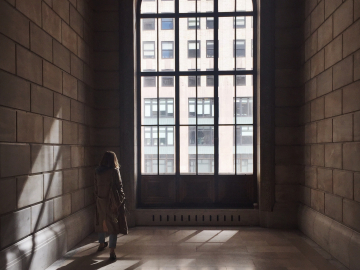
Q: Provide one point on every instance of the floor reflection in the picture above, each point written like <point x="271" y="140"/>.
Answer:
<point x="167" y="248"/>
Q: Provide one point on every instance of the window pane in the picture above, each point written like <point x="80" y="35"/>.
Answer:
<point x="149" y="6"/>
<point x="186" y="63"/>
<point x="194" y="49"/>
<point x="167" y="149"/>
<point x="226" y="150"/>
<point x="205" y="6"/>
<point x="194" y="23"/>
<point x="167" y="23"/>
<point x="149" y="44"/>
<point x="149" y="150"/>
<point x="167" y="44"/>
<point x="226" y="43"/>
<point x="244" y="149"/>
<point x="243" y="50"/>
<point x="186" y="6"/>
<point x="166" y="6"/>
<point x="188" y="150"/>
<point x="205" y="142"/>
<point x="244" y="101"/>
<point x="187" y="94"/>
<point x="148" y="24"/>
<point x="149" y="100"/>
<point x="244" y="5"/>
<point x="167" y="101"/>
<point x="226" y="5"/>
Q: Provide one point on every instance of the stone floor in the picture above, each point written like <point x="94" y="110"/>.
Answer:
<point x="241" y="248"/>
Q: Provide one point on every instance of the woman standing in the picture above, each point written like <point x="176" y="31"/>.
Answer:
<point x="110" y="206"/>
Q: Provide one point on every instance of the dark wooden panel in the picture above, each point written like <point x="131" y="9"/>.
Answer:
<point x="158" y="190"/>
<point x="235" y="190"/>
<point x="198" y="190"/>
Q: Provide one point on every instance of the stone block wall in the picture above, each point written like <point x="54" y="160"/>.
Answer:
<point x="47" y="126"/>
<point x="331" y="113"/>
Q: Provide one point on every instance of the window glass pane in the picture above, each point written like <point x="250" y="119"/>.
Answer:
<point x="226" y="150"/>
<point x="244" y="149"/>
<point x="240" y="22"/>
<point x="205" y="144"/>
<point x="166" y="6"/>
<point x="186" y="6"/>
<point x="244" y="5"/>
<point x="167" y="23"/>
<point x="226" y="5"/>
<point x="148" y="24"/>
<point x="149" y="101"/>
<point x="226" y="43"/>
<point x="243" y="49"/>
<point x="148" y="6"/>
<point x="244" y="101"/>
<point x="192" y="24"/>
<point x="186" y="63"/>
<point x="148" y="45"/>
<point x="188" y="150"/>
<point x="205" y="6"/>
<point x="210" y="23"/>
<point x="167" y="44"/>
<point x="166" y="100"/>
<point x="194" y="49"/>
<point x="149" y="150"/>
<point x="205" y="38"/>
<point x="205" y="102"/>
<point x="187" y="102"/>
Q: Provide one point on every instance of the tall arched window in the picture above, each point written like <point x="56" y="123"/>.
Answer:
<point x="196" y="118"/>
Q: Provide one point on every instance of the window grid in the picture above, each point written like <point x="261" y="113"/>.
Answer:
<point x="239" y="51"/>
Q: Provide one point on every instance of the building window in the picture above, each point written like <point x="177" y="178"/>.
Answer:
<point x="239" y="48"/>
<point x="244" y="135"/>
<point x="165" y="135"/>
<point x="203" y="136"/>
<point x="240" y="22"/>
<point x="205" y="164"/>
<point x="210" y="23"/>
<point x="194" y="80"/>
<point x="166" y="164"/>
<point x="167" y="81"/>
<point x="149" y="49"/>
<point x="166" y="107"/>
<point x="193" y="49"/>
<point x="240" y="80"/>
<point x="167" y="49"/>
<point x="244" y="106"/>
<point x="150" y="81"/>
<point x="167" y="23"/>
<point x="205" y="107"/>
<point x="192" y="24"/>
<point x="209" y="49"/>
<point x="209" y="78"/>
<point x="148" y="24"/>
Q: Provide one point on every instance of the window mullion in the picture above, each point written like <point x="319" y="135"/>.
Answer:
<point x="177" y="92"/>
<point x="216" y="88"/>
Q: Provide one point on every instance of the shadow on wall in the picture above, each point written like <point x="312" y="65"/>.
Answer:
<point x="44" y="197"/>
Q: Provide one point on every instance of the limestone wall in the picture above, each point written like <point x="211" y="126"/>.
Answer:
<point x="47" y="136"/>
<point x="331" y="117"/>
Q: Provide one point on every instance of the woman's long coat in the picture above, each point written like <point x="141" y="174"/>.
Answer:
<point x="108" y="193"/>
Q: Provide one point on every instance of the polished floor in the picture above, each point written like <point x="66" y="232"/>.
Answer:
<point x="170" y="248"/>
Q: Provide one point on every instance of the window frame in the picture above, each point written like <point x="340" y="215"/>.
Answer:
<point x="215" y="73"/>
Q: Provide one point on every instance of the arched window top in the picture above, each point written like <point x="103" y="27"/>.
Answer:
<point x="192" y="6"/>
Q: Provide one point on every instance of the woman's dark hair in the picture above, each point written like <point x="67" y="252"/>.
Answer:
<point x="109" y="160"/>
